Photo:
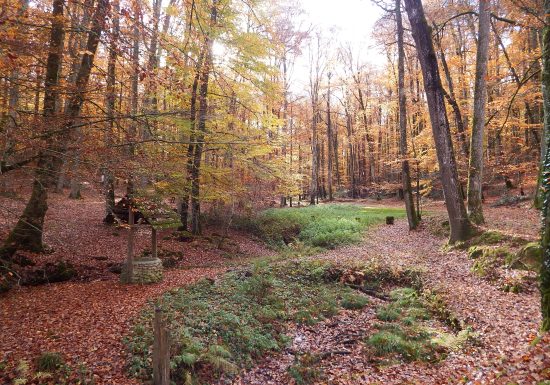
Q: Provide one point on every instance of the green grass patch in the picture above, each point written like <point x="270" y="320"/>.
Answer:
<point x="354" y="301"/>
<point x="218" y="327"/>
<point x="49" y="361"/>
<point x="403" y="335"/>
<point x="409" y="346"/>
<point x="322" y="226"/>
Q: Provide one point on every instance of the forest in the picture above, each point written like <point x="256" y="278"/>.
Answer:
<point x="261" y="192"/>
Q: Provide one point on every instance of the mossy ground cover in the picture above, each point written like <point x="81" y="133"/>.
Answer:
<point x="403" y="334"/>
<point x="219" y="327"/>
<point x="324" y="226"/>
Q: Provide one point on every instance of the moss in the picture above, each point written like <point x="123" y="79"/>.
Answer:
<point x="352" y="301"/>
<point x="490" y="238"/>
<point x="475" y="252"/>
<point x="490" y="259"/>
<point x="529" y="257"/>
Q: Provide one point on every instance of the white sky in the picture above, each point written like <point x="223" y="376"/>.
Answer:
<point x="344" y="21"/>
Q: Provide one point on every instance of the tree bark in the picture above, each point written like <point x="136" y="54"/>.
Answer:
<point x="405" y="168"/>
<point x="27" y="233"/>
<point x="8" y="145"/>
<point x="545" y="172"/>
<point x="184" y="205"/>
<point x="458" y="219"/>
<point x="475" y="168"/>
<point x="451" y="98"/>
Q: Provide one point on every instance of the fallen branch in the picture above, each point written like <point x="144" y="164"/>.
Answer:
<point x="369" y="292"/>
<point x="324" y="355"/>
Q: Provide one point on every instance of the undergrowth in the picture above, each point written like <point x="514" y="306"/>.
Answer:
<point x="218" y="327"/>
<point x="48" y="368"/>
<point x="405" y="334"/>
<point x="322" y="226"/>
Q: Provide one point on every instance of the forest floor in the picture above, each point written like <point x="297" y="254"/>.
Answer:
<point x="86" y="320"/>
<point x="506" y="323"/>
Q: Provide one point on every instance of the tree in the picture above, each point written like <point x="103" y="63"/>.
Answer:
<point x="458" y="219"/>
<point x="545" y="167"/>
<point x="405" y="169"/>
<point x="475" y="168"/>
<point x="330" y="144"/>
<point x="110" y="102"/>
<point x="203" y="109"/>
<point x="315" y="74"/>
<point x="27" y="233"/>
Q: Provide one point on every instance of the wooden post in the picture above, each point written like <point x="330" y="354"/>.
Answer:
<point x="130" y="260"/>
<point x="161" y="351"/>
<point x="154" y="242"/>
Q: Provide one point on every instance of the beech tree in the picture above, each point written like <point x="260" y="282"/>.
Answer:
<point x="545" y="172"/>
<point x="475" y="168"/>
<point x="458" y="219"/>
<point x="405" y="168"/>
<point x="27" y="233"/>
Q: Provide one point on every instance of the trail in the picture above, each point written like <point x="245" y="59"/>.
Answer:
<point x="506" y="322"/>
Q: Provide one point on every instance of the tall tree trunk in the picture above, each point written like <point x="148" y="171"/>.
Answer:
<point x="475" y="168"/>
<point x="451" y="98"/>
<point x="370" y="142"/>
<point x="203" y="109"/>
<point x="133" y="129"/>
<point x="406" y="173"/>
<point x="108" y="177"/>
<point x="545" y="166"/>
<point x="7" y="147"/>
<point x="27" y="233"/>
<point x="458" y="218"/>
<point x="314" y="185"/>
<point x="78" y="46"/>
<point x="330" y="144"/>
<point x="150" y="104"/>
<point x="351" y="154"/>
<point x="184" y="205"/>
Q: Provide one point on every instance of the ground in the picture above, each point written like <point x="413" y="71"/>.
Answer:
<point x="507" y="322"/>
<point x="85" y="319"/>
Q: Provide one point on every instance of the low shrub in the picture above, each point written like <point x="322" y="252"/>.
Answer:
<point x="49" y="361"/>
<point x="353" y="301"/>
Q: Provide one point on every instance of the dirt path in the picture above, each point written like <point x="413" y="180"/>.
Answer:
<point x="506" y="322"/>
